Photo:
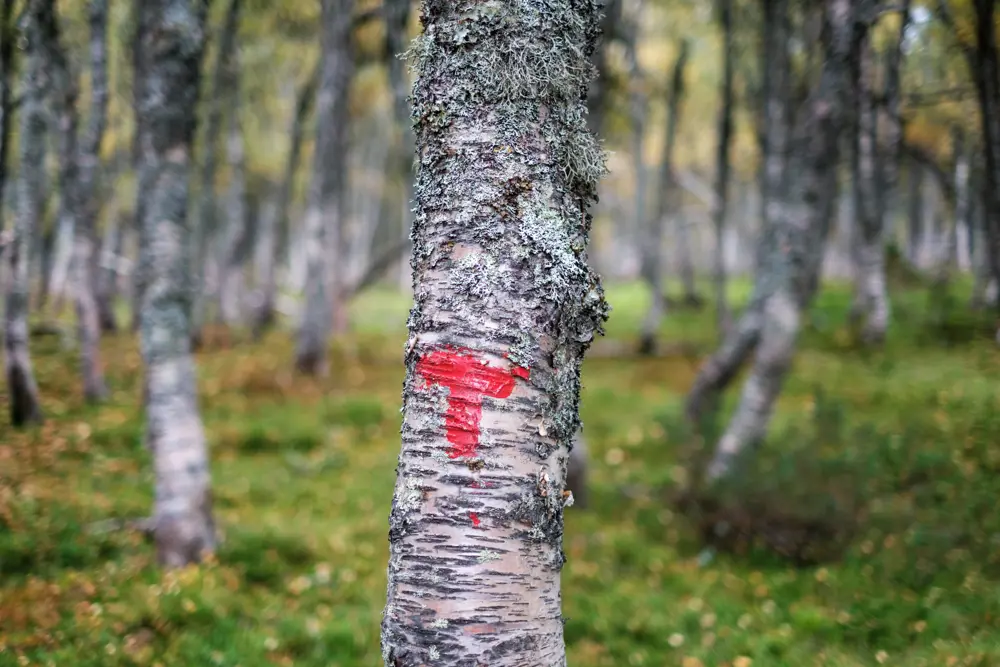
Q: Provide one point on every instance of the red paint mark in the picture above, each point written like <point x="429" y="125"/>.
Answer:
<point x="468" y="379"/>
<point x="475" y="519"/>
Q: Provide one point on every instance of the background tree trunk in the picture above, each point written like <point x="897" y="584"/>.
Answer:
<point x="172" y="48"/>
<point x="652" y="245"/>
<point x="788" y="278"/>
<point x="78" y="172"/>
<point x="304" y="102"/>
<point x="24" y="405"/>
<point x="327" y="201"/>
<point x="505" y="306"/>
<point x="223" y="84"/>
<point x="236" y="236"/>
<point x="720" y="206"/>
<point x="7" y="69"/>
<point x="720" y="369"/>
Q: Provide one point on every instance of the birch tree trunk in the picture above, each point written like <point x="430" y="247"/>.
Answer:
<point x="304" y="102"/>
<point x="986" y="72"/>
<point x="597" y="95"/>
<point x="397" y="14"/>
<point x="24" y="405"/>
<point x="237" y="230"/>
<point x="720" y="369"/>
<point x="505" y="306"/>
<point x="327" y="201"/>
<point x="788" y="275"/>
<point x="876" y="182"/>
<point x="172" y="48"/>
<point x="870" y="289"/>
<point x="652" y="244"/>
<point x="78" y="175"/>
<point x="720" y="209"/>
<point x="223" y="84"/>
<point x="7" y="69"/>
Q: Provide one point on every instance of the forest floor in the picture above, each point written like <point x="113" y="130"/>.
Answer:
<point x="906" y="439"/>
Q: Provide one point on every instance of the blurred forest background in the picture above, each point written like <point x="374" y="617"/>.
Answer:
<point x="859" y="527"/>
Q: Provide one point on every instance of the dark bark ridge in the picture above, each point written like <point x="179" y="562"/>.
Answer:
<point x="507" y="169"/>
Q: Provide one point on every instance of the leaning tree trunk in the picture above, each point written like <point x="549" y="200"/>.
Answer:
<point x="327" y="199"/>
<point x="720" y="207"/>
<point x="172" y="48"/>
<point x="21" y="387"/>
<point x="223" y="84"/>
<point x="740" y="342"/>
<point x="652" y="243"/>
<point x="788" y="276"/>
<point x="505" y="305"/>
<point x="78" y="170"/>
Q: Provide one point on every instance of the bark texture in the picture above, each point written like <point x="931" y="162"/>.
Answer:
<point x="505" y="305"/>
<point x="172" y="48"/>
<point x="790" y="260"/>
<point x="24" y="405"/>
<point x="327" y="205"/>
<point x="652" y="242"/>
<point x="79" y="167"/>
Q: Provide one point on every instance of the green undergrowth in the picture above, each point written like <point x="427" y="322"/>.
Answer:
<point x="863" y="531"/>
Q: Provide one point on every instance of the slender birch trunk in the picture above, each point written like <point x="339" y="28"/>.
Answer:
<point x="986" y="72"/>
<point x="720" y="209"/>
<point x="652" y="246"/>
<point x="172" y="48"/>
<point x="205" y="223"/>
<point x="327" y="200"/>
<point x="597" y="95"/>
<point x="741" y="341"/>
<point x="24" y="404"/>
<point x="304" y="101"/>
<point x="79" y="165"/>
<point x="787" y="276"/>
<point x="237" y="231"/>
<point x="7" y="68"/>
<point x="505" y="306"/>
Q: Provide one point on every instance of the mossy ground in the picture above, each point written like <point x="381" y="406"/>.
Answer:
<point x="303" y="473"/>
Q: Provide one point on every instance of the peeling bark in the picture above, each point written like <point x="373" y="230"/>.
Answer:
<point x="504" y="307"/>
<point x="172" y="49"/>
<point x="327" y="201"/>
<point x="24" y="404"/>
<point x="652" y="245"/>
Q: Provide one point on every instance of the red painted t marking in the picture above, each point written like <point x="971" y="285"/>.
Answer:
<point x="468" y="379"/>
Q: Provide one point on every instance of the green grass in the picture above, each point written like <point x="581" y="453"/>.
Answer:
<point x="904" y="438"/>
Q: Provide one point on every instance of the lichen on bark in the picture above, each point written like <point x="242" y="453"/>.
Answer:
<point x="506" y="171"/>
